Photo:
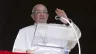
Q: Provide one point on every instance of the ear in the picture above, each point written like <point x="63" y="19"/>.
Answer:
<point x="48" y="15"/>
<point x="32" y="16"/>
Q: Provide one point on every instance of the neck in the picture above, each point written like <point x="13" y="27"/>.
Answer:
<point x="40" y="23"/>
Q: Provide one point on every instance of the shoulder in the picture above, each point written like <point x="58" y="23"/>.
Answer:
<point x="30" y="27"/>
<point x="60" y="25"/>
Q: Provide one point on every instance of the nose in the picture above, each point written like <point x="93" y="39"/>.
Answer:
<point x="42" y="14"/>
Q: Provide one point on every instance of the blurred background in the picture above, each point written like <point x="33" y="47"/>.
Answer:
<point x="15" y="14"/>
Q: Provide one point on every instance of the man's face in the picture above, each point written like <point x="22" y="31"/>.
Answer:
<point x="40" y="14"/>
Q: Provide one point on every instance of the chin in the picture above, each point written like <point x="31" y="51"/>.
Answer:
<point x="43" y="22"/>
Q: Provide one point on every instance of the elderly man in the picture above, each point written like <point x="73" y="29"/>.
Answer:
<point x="43" y="38"/>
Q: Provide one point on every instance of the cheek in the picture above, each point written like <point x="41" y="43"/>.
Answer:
<point x="46" y="16"/>
<point x="36" y="17"/>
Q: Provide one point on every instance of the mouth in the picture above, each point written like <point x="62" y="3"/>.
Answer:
<point x="42" y="18"/>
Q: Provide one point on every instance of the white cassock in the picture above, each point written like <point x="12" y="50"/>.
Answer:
<point x="46" y="38"/>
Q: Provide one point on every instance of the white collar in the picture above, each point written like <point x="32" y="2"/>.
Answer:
<point x="40" y="23"/>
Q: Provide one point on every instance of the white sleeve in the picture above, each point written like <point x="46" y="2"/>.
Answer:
<point x="73" y="41"/>
<point x="20" y="42"/>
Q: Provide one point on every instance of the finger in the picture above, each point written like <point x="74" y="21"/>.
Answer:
<point x="62" y="11"/>
<point x="65" y="14"/>
<point x="58" y="11"/>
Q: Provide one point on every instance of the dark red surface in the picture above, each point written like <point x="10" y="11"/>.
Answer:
<point x="8" y="52"/>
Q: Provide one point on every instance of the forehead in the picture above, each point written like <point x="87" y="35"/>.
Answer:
<point x="40" y="7"/>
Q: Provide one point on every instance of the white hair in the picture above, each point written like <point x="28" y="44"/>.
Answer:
<point x="33" y="10"/>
